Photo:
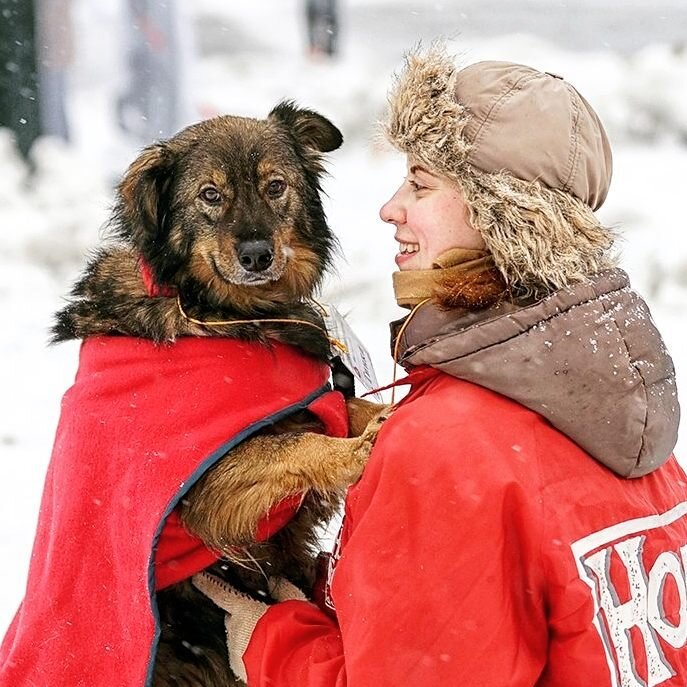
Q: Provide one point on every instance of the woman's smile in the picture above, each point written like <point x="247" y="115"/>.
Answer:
<point x="431" y="216"/>
<point x="406" y="251"/>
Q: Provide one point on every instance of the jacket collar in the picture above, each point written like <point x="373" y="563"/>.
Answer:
<point x="588" y="358"/>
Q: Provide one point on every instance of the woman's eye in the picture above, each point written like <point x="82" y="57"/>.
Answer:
<point x="276" y="188"/>
<point x="415" y="185"/>
<point x="211" y="195"/>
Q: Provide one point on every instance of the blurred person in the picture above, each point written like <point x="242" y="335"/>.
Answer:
<point x="521" y="520"/>
<point x="322" y="20"/>
<point x="19" y="94"/>
<point x="36" y="49"/>
<point x="55" y="48"/>
<point x="155" y="103"/>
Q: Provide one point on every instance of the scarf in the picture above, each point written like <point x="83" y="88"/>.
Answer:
<point x="459" y="277"/>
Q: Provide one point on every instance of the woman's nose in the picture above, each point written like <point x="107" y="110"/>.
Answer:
<point x="392" y="210"/>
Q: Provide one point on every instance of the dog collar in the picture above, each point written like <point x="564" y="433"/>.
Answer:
<point x="153" y="289"/>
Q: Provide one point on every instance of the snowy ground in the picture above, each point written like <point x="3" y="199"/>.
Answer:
<point x="622" y="55"/>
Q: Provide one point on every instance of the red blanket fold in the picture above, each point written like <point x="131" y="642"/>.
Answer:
<point x="138" y="427"/>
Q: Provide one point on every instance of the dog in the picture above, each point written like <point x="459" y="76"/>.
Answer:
<point x="220" y="232"/>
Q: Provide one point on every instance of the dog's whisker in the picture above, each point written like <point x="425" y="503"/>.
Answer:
<point x="245" y="562"/>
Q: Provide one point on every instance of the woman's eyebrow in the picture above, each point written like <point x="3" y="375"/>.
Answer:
<point x="419" y="168"/>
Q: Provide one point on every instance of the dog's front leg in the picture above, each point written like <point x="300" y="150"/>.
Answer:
<point x="226" y="505"/>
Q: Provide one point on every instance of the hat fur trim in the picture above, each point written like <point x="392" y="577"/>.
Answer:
<point x="424" y="120"/>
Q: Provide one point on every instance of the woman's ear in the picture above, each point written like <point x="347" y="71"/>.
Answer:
<point x="142" y="193"/>
<point x="308" y="127"/>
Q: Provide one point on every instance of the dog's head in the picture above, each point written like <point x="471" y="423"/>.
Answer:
<point x="229" y="210"/>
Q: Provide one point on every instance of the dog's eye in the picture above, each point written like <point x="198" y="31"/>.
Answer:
<point x="210" y="195"/>
<point x="276" y="188"/>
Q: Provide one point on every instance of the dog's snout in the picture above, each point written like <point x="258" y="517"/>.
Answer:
<point x="255" y="256"/>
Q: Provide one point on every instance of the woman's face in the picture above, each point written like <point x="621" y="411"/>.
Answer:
<point x="430" y="216"/>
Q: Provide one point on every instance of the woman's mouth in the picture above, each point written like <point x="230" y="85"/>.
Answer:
<point x="406" y="252"/>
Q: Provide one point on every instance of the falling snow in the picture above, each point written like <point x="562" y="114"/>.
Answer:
<point x="52" y="219"/>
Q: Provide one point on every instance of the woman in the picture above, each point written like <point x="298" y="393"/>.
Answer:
<point x="521" y="520"/>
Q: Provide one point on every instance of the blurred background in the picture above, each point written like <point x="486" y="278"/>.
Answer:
<point x="84" y="85"/>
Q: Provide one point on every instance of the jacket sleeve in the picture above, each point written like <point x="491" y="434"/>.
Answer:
<point x="295" y="644"/>
<point x="439" y="580"/>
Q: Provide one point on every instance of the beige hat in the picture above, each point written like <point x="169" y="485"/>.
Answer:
<point x="535" y="125"/>
<point x="529" y="152"/>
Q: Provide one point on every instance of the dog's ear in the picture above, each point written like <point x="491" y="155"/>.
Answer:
<point x="309" y="128"/>
<point x="142" y="191"/>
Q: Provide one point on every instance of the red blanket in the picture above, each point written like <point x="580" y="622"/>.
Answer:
<point x="138" y="427"/>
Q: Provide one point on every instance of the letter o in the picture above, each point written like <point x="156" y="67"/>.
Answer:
<point x="667" y="564"/>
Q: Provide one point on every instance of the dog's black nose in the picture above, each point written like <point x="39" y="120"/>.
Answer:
<point x="255" y="256"/>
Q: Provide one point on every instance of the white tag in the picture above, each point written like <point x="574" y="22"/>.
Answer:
<point x="356" y="357"/>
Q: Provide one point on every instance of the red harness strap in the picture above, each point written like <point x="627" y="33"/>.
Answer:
<point x="154" y="289"/>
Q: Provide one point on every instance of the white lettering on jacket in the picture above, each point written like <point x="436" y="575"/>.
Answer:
<point x="642" y="609"/>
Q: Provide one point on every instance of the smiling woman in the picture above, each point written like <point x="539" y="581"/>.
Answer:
<point x="521" y="514"/>
<point x="431" y="216"/>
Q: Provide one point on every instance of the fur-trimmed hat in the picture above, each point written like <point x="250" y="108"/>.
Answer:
<point x="529" y="153"/>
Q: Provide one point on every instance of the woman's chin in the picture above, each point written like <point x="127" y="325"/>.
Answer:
<point x="407" y="261"/>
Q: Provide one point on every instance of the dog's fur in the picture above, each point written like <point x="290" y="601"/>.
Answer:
<point x="187" y="208"/>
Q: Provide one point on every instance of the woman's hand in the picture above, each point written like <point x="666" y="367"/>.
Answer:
<point x="243" y="612"/>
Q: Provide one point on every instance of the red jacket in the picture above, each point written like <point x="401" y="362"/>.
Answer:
<point x="138" y="427"/>
<point x="484" y="548"/>
<point x="495" y="538"/>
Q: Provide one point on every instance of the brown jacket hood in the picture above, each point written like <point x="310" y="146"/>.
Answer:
<point x="588" y="358"/>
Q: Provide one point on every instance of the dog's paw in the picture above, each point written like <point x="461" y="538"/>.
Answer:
<point x="374" y="425"/>
<point x="360" y="413"/>
<point x="366" y="441"/>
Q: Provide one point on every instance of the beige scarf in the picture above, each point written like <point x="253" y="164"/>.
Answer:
<point x="413" y="286"/>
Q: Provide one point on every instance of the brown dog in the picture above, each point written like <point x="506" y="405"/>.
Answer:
<point x="226" y="216"/>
